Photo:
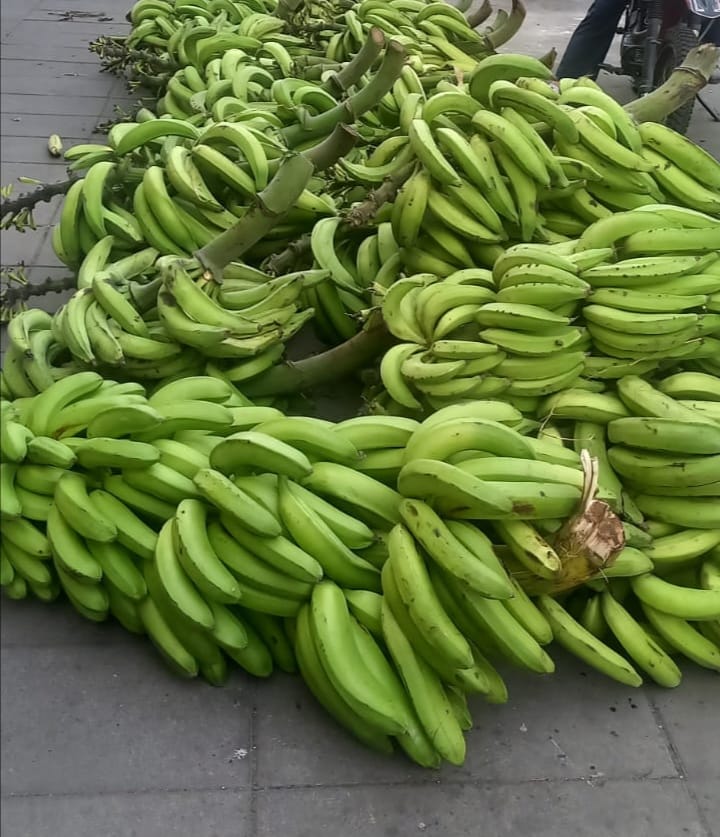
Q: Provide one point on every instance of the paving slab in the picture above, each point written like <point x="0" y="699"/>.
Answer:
<point x="35" y="624"/>
<point x="707" y="795"/>
<point x="34" y="125"/>
<point x="605" y="731"/>
<point x="77" y="32"/>
<point x="83" y="81"/>
<point x="98" y="738"/>
<point x="47" y="105"/>
<point x="51" y="52"/>
<point x="178" y="814"/>
<point x="537" y="809"/>
<point x="25" y="247"/>
<point x="96" y="719"/>
<point x="32" y="149"/>
<point x="691" y="718"/>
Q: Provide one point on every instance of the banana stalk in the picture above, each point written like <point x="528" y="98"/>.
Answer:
<point x="275" y="200"/>
<point x="363" y="213"/>
<point x="354" y="106"/>
<point x="682" y="86"/>
<point x="285" y="9"/>
<point x="362" y="61"/>
<point x="358" y="216"/>
<point x="12" y="296"/>
<point x="587" y="543"/>
<point x="283" y="262"/>
<point x="338" y="362"/>
<point x="479" y="15"/>
<point x="11" y="207"/>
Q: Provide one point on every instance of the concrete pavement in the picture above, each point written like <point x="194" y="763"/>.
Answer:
<point x="98" y="738"/>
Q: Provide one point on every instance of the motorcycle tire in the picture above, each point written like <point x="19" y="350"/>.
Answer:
<point x="677" y="42"/>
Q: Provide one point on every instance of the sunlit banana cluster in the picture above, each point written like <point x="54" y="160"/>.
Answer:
<point x="398" y="565"/>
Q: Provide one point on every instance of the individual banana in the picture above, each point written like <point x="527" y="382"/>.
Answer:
<point x="229" y="499"/>
<point x="323" y="688"/>
<point x="683" y="602"/>
<point x="415" y="588"/>
<point x="452" y="490"/>
<point x="426" y="692"/>
<point x="311" y="533"/>
<point x="442" y="440"/>
<point x="78" y="510"/>
<point x="69" y="550"/>
<point x="374" y="503"/>
<point x="508" y="66"/>
<point x="250" y="450"/>
<point x="644" y="651"/>
<point x="332" y="629"/>
<point x="686" y="155"/>
<point x="264" y="588"/>
<point x="684" y="638"/>
<point x="426" y="149"/>
<point x="690" y="385"/>
<point x="410" y="207"/>
<point x="451" y="554"/>
<point x="311" y="437"/>
<point x="280" y="552"/>
<point x="132" y="532"/>
<point x="372" y="432"/>
<point x="197" y="556"/>
<point x="583" y="644"/>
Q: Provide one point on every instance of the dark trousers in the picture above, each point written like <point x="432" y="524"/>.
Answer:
<point x="594" y="35"/>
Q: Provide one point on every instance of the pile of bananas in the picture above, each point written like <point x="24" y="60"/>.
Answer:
<point x="307" y="38"/>
<point x="155" y="330"/>
<point x="541" y="458"/>
<point x="488" y="170"/>
<point x="546" y="318"/>
<point x="394" y="563"/>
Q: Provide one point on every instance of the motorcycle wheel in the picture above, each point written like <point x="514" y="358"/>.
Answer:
<point x="676" y="44"/>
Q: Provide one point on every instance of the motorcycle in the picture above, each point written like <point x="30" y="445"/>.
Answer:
<point x="656" y="37"/>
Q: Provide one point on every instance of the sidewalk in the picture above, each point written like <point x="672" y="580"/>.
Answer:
<point x="99" y="739"/>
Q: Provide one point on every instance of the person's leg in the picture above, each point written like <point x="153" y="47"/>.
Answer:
<point x="711" y="35"/>
<point x="591" y="40"/>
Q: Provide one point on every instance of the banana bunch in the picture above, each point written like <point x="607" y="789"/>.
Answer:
<point x="194" y="184"/>
<point x="34" y="357"/>
<point x="512" y="325"/>
<point x="94" y="220"/>
<point x="485" y="333"/>
<point x="194" y="33"/>
<point x="120" y="318"/>
<point x="223" y="530"/>
<point x="437" y="36"/>
<point x="353" y="272"/>
<point x="231" y="326"/>
<point x="643" y="621"/>
<point x="649" y="307"/>
<point x="666" y="453"/>
<point x="234" y="85"/>
<point x="359" y="665"/>
<point x="471" y="460"/>
<point x="125" y="502"/>
<point x="625" y="165"/>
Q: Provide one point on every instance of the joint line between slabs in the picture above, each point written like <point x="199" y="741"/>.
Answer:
<point x="81" y="794"/>
<point x="254" y="791"/>
<point x="254" y="768"/>
<point x="434" y="779"/>
<point x="678" y="763"/>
